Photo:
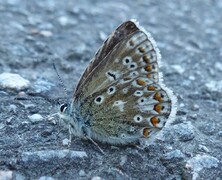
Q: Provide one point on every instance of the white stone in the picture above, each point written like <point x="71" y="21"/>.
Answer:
<point x="192" y="78"/>
<point x="63" y="20"/>
<point x="65" y="142"/>
<point x="96" y="178"/>
<point x="35" y="117"/>
<point x="46" y="178"/>
<point x="5" y="174"/>
<point x="82" y="173"/>
<point x="46" y="33"/>
<point x="218" y="66"/>
<point x="12" y="108"/>
<point x="13" y="81"/>
<point x="214" y="86"/>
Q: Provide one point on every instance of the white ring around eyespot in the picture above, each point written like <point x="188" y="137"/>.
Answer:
<point x="140" y="101"/>
<point x="138" y="93"/>
<point x="124" y="60"/>
<point x="109" y="92"/>
<point x="99" y="102"/>
<point x="132" y="68"/>
<point x="138" y="118"/>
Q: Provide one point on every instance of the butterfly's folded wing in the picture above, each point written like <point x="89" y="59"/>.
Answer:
<point x="118" y="35"/>
<point x="121" y="97"/>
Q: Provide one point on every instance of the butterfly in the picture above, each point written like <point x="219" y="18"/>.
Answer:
<point x="120" y="98"/>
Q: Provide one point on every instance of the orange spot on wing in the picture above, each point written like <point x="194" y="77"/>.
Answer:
<point x="154" y="120"/>
<point x="151" y="88"/>
<point x="148" y="68"/>
<point x="158" y="97"/>
<point x="141" y="82"/>
<point x="146" y="132"/>
<point x="158" y="108"/>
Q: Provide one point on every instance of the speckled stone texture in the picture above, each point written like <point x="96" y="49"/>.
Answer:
<point x="36" y="34"/>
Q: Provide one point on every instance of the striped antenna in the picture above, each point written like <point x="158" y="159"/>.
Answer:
<point x="36" y="99"/>
<point x="60" y="80"/>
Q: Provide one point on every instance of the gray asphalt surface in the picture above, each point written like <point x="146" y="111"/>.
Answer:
<point x="36" y="34"/>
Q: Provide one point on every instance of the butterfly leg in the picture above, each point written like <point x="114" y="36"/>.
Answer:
<point x="89" y="138"/>
<point x="70" y="136"/>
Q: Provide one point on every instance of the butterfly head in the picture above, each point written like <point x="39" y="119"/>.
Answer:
<point x="65" y="112"/>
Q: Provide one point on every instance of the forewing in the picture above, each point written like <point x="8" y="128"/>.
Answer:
<point x="117" y="36"/>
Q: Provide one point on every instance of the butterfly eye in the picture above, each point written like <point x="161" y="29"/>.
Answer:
<point x="63" y="107"/>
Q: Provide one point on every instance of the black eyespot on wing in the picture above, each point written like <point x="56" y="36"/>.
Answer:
<point x="98" y="99"/>
<point x="111" y="89"/>
<point x="127" y="60"/>
<point x="132" y="66"/>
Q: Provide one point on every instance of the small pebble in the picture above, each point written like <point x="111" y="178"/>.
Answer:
<point x="65" y="142"/>
<point x="5" y="175"/>
<point x="214" y="86"/>
<point x="35" y="117"/>
<point x="203" y="148"/>
<point x="46" y="178"/>
<point x="12" y="108"/>
<point x="63" y="20"/>
<point x="175" y="154"/>
<point x="192" y="78"/>
<point x="46" y="33"/>
<point x="13" y="81"/>
<point x="29" y="106"/>
<point x="96" y="178"/>
<point x="9" y="120"/>
<point x="195" y="107"/>
<point x="193" y="116"/>
<point x="82" y="173"/>
<point x="218" y="66"/>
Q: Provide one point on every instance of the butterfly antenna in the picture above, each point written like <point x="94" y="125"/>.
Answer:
<point x="60" y="80"/>
<point x="36" y="99"/>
